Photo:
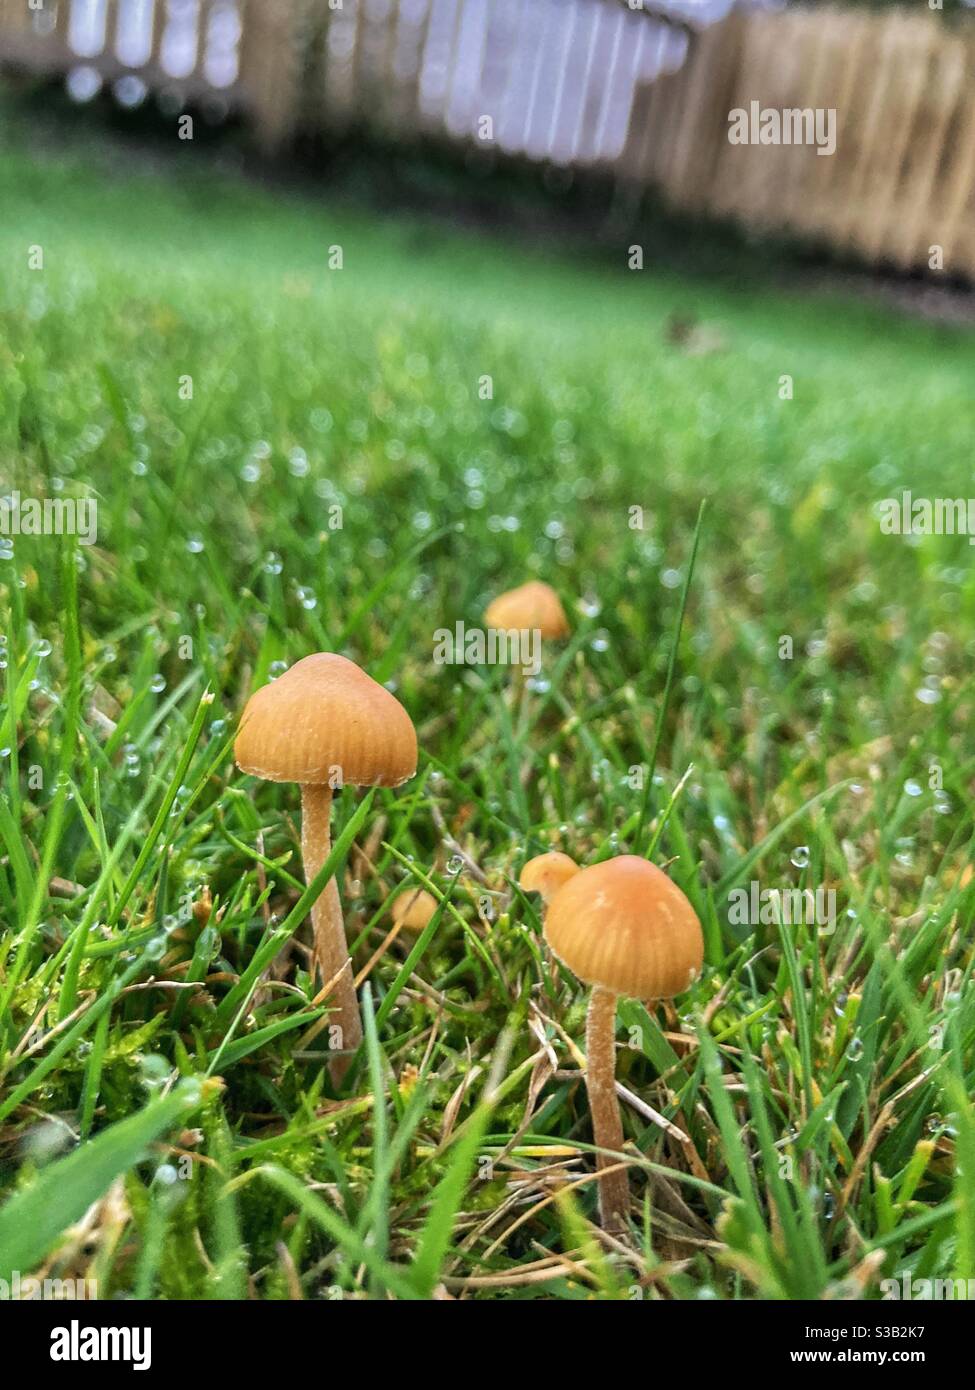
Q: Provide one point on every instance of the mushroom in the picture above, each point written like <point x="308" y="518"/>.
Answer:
<point x="546" y="873"/>
<point x="626" y="929"/>
<point x="532" y="605"/>
<point x="410" y="912"/>
<point x="413" y="911"/>
<point x="532" y="608"/>
<point x="325" y="723"/>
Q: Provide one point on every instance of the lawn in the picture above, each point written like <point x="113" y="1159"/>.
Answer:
<point x="291" y="457"/>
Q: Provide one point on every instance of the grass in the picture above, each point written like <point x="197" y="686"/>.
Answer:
<point x="162" y="1054"/>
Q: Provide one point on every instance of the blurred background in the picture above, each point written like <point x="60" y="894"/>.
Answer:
<point x="629" y="98"/>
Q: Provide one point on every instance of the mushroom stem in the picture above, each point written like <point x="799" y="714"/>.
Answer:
<point x="331" y="948"/>
<point x="607" y="1127"/>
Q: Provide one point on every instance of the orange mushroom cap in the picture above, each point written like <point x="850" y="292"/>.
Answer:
<point x="325" y="714"/>
<point x="546" y="873"/>
<point x="414" y="909"/>
<point x="532" y="605"/>
<point x="625" y="925"/>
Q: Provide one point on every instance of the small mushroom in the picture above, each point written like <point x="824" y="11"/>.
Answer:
<point x="546" y="873"/>
<point x="534" y="605"/>
<point x="626" y="929"/>
<point x="325" y="723"/>
<point x="413" y="911"/>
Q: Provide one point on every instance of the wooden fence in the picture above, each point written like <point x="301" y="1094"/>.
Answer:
<point x="581" y="83"/>
<point x="900" y="187"/>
